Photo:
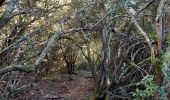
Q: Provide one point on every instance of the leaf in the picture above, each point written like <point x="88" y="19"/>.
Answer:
<point x="153" y="36"/>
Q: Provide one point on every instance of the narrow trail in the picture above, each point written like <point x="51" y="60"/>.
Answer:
<point x="67" y="87"/>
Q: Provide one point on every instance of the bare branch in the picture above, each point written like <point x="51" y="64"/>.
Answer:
<point x="45" y="51"/>
<point x="16" y="68"/>
<point x="8" y="14"/>
<point x="158" y="22"/>
<point x="12" y="46"/>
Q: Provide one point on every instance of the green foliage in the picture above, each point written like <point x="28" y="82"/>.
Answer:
<point x="81" y="63"/>
<point x="83" y="66"/>
<point x="153" y="36"/>
<point x="164" y="90"/>
<point x="138" y="94"/>
<point x="150" y="88"/>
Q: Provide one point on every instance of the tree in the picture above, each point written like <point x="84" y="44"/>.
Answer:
<point x="131" y="37"/>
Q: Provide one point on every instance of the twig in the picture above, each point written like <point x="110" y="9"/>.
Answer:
<point x="144" y="7"/>
<point x="12" y="46"/>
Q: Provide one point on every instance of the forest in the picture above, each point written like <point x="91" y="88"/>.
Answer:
<point x="84" y="50"/>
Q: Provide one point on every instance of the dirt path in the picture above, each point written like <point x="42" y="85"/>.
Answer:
<point x="67" y="87"/>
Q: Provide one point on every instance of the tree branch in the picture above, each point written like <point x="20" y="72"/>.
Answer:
<point x="45" y="51"/>
<point x="16" y="68"/>
<point x="158" y="22"/>
<point x="18" y="41"/>
<point x="5" y="18"/>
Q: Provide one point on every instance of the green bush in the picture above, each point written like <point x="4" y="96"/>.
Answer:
<point x="149" y="91"/>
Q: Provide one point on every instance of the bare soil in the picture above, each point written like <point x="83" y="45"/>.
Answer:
<point x="65" y="87"/>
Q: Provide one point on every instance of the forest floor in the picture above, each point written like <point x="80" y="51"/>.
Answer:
<point x="65" y="87"/>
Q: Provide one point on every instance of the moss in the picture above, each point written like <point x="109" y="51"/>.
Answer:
<point x="23" y="68"/>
